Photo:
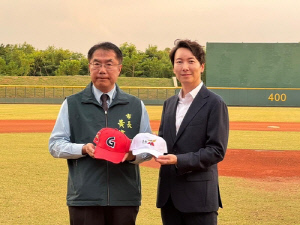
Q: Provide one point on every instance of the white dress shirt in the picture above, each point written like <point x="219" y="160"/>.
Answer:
<point x="184" y="104"/>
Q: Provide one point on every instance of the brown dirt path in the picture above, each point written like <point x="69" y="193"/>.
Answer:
<point x="26" y="126"/>
<point x="237" y="162"/>
<point x="256" y="164"/>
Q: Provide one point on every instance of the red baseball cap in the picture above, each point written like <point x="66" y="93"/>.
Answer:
<point x="111" y="145"/>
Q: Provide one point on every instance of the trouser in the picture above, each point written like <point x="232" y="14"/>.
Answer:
<point x="172" y="216"/>
<point x="103" y="215"/>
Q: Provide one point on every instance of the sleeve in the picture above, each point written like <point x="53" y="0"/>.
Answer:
<point x="160" y="131"/>
<point x="144" y="128"/>
<point x="60" y="145"/>
<point x="215" y="145"/>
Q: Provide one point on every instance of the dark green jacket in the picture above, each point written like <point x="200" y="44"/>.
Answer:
<point x="94" y="182"/>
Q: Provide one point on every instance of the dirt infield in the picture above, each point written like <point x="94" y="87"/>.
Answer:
<point x="256" y="164"/>
<point x="237" y="162"/>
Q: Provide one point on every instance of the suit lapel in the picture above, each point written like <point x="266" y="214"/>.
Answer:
<point x="199" y="101"/>
<point x="172" y="117"/>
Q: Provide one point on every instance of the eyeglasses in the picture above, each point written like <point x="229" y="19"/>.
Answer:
<point x="107" y="66"/>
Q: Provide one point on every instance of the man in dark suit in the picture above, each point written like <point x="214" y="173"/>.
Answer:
<point x="195" y="126"/>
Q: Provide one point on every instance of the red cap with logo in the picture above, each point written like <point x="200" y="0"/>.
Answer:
<point x="111" y="145"/>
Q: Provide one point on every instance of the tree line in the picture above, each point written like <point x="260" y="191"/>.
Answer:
<point x="25" y="60"/>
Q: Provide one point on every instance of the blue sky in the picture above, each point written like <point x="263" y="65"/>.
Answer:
<point x="77" y="24"/>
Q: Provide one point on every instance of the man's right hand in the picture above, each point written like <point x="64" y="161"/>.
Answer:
<point x="89" y="149"/>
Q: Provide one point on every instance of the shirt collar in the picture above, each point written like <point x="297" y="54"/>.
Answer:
<point x="98" y="93"/>
<point x="193" y="92"/>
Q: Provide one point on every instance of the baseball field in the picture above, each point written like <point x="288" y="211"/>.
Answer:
<point x="259" y="177"/>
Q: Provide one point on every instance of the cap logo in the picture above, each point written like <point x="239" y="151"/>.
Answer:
<point x="149" y="142"/>
<point x="111" y="142"/>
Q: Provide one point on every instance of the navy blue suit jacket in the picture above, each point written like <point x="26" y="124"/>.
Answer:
<point x="199" y="145"/>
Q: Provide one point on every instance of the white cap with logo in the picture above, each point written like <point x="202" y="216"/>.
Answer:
<point x="148" y="143"/>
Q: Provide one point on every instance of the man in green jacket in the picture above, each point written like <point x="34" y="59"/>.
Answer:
<point x="99" y="191"/>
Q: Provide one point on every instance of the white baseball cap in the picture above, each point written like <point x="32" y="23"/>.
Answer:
<point x="148" y="143"/>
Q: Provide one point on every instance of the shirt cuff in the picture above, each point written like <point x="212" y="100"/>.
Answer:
<point x="77" y="150"/>
<point x="141" y="158"/>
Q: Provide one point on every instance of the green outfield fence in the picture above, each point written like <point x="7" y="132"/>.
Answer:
<point x="56" y="94"/>
<point x="289" y="97"/>
<point x="283" y="97"/>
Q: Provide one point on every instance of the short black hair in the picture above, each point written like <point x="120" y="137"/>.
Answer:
<point x="106" y="46"/>
<point x="193" y="46"/>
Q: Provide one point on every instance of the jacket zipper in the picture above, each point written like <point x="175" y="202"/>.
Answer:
<point x="106" y="124"/>
<point x="107" y="184"/>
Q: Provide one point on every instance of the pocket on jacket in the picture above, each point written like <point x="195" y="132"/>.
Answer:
<point x="199" y="176"/>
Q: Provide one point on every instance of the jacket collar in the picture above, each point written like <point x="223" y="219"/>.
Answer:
<point x="199" y="101"/>
<point x="88" y="96"/>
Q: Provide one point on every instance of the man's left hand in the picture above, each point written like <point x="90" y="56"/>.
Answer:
<point x="129" y="157"/>
<point x="169" y="159"/>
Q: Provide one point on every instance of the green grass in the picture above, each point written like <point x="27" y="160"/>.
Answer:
<point x="264" y="140"/>
<point x="83" y="81"/>
<point x="28" y="112"/>
<point x="264" y="114"/>
<point x="33" y="190"/>
<point x="33" y="183"/>
<point x="259" y="202"/>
